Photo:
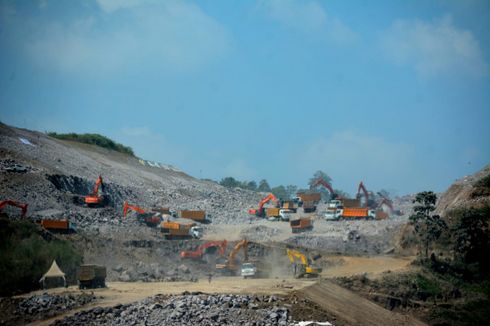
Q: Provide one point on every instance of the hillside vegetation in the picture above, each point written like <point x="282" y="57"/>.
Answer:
<point x="25" y="256"/>
<point x="94" y="139"/>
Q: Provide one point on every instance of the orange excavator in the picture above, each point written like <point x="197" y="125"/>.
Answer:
<point x="321" y="182"/>
<point x="22" y="206"/>
<point x="365" y="192"/>
<point x="207" y="247"/>
<point x="96" y="199"/>
<point x="260" y="211"/>
<point x="231" y="266"/>
<point x="149" y="219"/>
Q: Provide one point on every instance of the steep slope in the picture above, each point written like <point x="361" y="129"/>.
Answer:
<point x="49" y="174"/>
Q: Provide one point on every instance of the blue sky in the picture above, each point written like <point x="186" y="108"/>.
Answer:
<point x="394" y="93"/>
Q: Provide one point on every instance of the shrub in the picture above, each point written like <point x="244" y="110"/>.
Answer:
<point x="94" y="139"/>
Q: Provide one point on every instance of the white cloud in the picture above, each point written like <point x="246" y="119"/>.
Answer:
<point x="434" y="47"/>
<point x="167" y="35"/>
<point x="308" y="17"/>
<point x="350" y="157"/>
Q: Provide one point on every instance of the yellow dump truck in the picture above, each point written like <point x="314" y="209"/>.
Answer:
<point x="177" y="230"/>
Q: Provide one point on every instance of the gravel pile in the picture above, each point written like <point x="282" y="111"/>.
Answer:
<point x="43" y="303"/>
<point x="189" y="309"/>
<point x="21" y="311"/>
<point x="259" y="232"/>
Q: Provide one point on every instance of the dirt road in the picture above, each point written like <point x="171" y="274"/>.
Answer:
<point x="372" y="267"/>
<point x="352" y="308"/>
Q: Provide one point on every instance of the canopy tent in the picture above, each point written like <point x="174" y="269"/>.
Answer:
<point x="53" y="272"/>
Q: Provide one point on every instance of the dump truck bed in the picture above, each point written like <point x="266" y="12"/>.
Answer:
<point x="89" y="272"/>
<point x="350" y="212"/>
<point x="193" y="215"/>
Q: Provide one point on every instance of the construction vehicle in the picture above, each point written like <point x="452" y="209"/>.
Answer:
<point x="208" y="247"/>
<point x="272" y="213"/>
<point x="58" y="226"/>
<point x="177" y="230"/>
<point x="260" y="212"/>
<point x="289" y="204"/>
<point x="22" y="206"/>
<point x="358" y="213"/>
<point x="313" y="197"/>
<point x="368" y="196"/>
<point x="301" y="225"/>
<point x="96" y="198"/>
<point x="198" y="216"/>
<point x="286" y="214"/>
<point x="309" y="206"/>
<point x="248" y="270"/>
<point x="92" y="276"/>
<point x="326" y="185"/>
<point x="149" y="218"/>
<point x="302" y="264"/>
<point x="333" y="214"/>
<point x="230" y="266"/>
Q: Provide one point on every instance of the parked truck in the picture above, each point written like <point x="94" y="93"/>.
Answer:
<point x="177" y="230"/>
<point x="59" y="226"/>
<point x="92" y="276"/>
<point x="358" y="213"/>
<point x="199" y="216"/>
<point x="301" y="225"/>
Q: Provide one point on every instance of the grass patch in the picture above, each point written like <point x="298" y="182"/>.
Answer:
<point x="94" y="139"/>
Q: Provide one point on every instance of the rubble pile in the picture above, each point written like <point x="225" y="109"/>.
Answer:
<point x="189" y="309"/>
<point x="21" y="311"/>
<point x="43" y="303"/>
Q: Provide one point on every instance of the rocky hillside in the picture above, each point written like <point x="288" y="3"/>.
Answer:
<point x="470" y="191"/>
<point x="51" y="175"/>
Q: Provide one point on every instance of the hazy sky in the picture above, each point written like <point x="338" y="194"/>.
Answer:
<point x="395" y="93"/>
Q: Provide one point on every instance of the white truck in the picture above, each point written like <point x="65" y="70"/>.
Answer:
<point x="248" y="270"/>
<point x="334" y="210"/>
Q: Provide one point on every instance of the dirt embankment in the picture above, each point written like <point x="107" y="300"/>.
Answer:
<point x="467" y="192"/>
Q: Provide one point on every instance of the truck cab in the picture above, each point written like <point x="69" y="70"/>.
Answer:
<point x="332" y="214"/>
<point x="285" y="214"/>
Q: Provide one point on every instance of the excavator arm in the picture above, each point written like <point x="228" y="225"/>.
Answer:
<point x="135" y="208"/>
<point x="22" y="206"/>
<point x="364" y="190"/>
<point x="201" y="250"/>
<point x="321" y="182"/>
<point x="260" y="210"/>
<point x="302" y="267"/>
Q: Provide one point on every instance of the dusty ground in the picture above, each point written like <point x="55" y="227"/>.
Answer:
<point x="127" y="292"/>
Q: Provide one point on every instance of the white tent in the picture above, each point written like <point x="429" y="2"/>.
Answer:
<point x="54" y="271"/>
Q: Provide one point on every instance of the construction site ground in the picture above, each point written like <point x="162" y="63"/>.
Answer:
<point x="343" y="304"/>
